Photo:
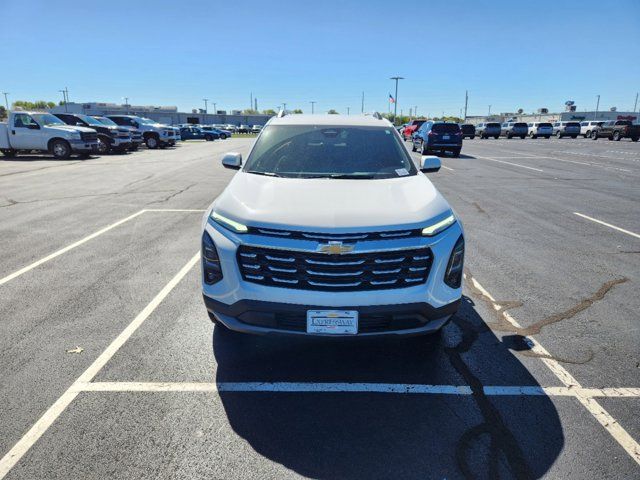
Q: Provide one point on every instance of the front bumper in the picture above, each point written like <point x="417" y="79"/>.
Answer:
<point x="270" y="318"/>
<point x="230" y="299"/>
<point x="82" y="146"/>
<point x="121" y="142"/>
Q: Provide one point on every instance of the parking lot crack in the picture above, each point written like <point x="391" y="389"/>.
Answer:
<point x="175" y="194"/>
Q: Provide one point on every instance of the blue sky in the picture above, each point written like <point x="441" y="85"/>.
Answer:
<point x="507" y="54"/>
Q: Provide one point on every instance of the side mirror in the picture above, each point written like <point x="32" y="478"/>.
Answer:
<point x="232" y="160"/>
<point x="429" y="163"/>
<point x="33" y="126"/>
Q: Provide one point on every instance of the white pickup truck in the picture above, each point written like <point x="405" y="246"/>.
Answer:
<point x="26" y="131"/>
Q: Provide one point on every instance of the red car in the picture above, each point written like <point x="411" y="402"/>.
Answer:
<point x="411" y="128"/>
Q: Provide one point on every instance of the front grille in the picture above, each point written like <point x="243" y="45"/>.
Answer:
<point x="348" y="237"/>
<point x="336" y="273"/>
<point x="89" y="136"/>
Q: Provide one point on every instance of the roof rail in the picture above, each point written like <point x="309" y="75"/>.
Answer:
<point x="282" y="113"/>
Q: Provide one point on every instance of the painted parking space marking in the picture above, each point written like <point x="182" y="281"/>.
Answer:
<point x="595" y="220"/>
<point x="326" y="387"/>
<point x="46" y="420"/>
<point x="603" y="417"/>
<point x="508" y="163"/>
<point x="86" y="239"/>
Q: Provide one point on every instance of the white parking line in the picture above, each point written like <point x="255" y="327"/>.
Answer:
<point x="84" y="240"/>
<point x="607" y="225"/>
<point x="605" y="419"/>
<point x="508" y="163"/>
<point x="397" y="388"/>
<point x="37" y="430"/>
<point x="447" y="168"/>
<point x="67" y="248"/>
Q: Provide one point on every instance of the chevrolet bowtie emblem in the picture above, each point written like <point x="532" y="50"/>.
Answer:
<point x="335" y="248"/>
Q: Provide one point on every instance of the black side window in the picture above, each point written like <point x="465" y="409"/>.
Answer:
<point x="22" y="120"/>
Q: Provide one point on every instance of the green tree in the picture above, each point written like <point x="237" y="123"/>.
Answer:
<point x="269" y="111"/>
<point x="297" y="110"/>
<point x="332" y="112"/>
<point x="37" y="105"/>
<point x="250" y="111"/>
<point x="3" y="112"/>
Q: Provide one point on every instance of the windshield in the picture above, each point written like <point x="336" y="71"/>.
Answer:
<point x="106" y="121"/>
<point x="90" y="120"/>
<point x="45" y="119"/>
<point x="147" y="121"/>
<point x="308" y="151"/>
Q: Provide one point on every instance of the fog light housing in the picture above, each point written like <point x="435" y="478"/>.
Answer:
<point x="453" y="274"/>
<point x="211" y="269"/>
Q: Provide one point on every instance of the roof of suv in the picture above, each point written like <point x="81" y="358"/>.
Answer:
<point x="328" y="119"/>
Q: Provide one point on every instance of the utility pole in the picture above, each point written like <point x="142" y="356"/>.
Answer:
<point x="126" y="104"/>
<point x="348" y="109"/>
<point x="415" y="111"/>
<point x="312" y="105"/>
<point x="6" y="102"/>
<point x="489" y="114"/>
<point x="466" y="102"/>
<point x="597" y="106"/>
<point x="215" y="109"/>
<point x="251" y="100"/>
<point x="206" y="100"/>
<point x="410" y="112"/>
<point x="284" y="107"/>
<point x="395" y="103"/>
<point x="64" y="99"/>
<point x="362" y="108"/>
<point x="635" y="105"/>
<point x="255" y="104"/>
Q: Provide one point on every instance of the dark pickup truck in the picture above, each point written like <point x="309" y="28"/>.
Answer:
<point x="617" y="129"/>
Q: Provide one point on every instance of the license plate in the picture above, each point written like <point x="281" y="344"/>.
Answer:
<point x="445" y="137"/>
<point x="332" y="322"/>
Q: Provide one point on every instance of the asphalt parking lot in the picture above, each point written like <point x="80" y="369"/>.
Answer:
<point x="110" y="367"/>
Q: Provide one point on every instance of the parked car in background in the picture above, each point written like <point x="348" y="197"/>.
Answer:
<point x="25" y="131"/>
<point x="136" y="135"/>
<point x="154" y="134"/>
<point x="223" y="134"/>
<point x="110" y="138"/>
<point x="617" y="130"/>
<point x="488" y="129"/>
<point x="514" y="129"/>
<point x="587" y="127"/>
<point x="411" y="128"/>
<point x="256" y="128"/>
<point x="231" y="127"/>
<point x="540" y="129"/>
<point x="244" y="129"/>
<point x="438" y="136"/>
<point x="566" y="129"/>
<point x="197" y="133"/>
<point x="339" y="264"/>
<point x="468" y="131"/>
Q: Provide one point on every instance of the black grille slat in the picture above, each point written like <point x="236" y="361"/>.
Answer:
<point x="89" y="136"/>
<point x="344" y="237"/>
<point x="331" y="272"/>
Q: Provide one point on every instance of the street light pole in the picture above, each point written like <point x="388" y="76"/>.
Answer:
<point x="126" y="104"/>
<point x="6" y="102"/>
<point x="348" y="110"/>
<point x="64" y="99"/>
<point x="362" y="108"/>
<point x="395" y="103"/>
<point x="466" y="102"/>
<point x="312" y="107"/>
<point x="595" y="116"/>
<point x="205" y="100"/>
<point x="635" y="105"/>
<point x="489" y="114"/>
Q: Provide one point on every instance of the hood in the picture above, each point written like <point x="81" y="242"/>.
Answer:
<point x="313" y="204"/>
<point x="71" y="128"/>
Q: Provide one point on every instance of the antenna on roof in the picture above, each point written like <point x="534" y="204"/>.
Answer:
<point x="282" y="113"/>
<point x="377" y="115"/>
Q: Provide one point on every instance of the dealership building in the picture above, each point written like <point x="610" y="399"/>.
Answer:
<point x="165" y="115"/>
<point x="566" y="116"/>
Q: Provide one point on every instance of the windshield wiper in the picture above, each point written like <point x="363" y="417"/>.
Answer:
<point x="268" y="174"/>
<point x="357" y="176"/>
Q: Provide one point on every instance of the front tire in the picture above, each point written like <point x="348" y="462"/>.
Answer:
<point x="151" y="142"/>
<point x="413" y="146"/>
<point x="559" y="135"/>
<point x="61" y="149"/>
<point x="594" y="135"/>
<point x="424" y="150"/>
<point x="104" y="147"/>
<point x="617" y="136"/>
<point x="634" y="139"/>
<point x="574" y="136"/>
<point x="522" y="137"/>
<point x="208" y="138"/>
<point x="223" y="136"/>
<point x="496" y="136"/>
<point x="472" y="137"/>
<point x="456" y="152"/>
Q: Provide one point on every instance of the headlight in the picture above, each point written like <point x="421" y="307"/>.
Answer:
<point x="228" y="223"/>
<point x="210" y="261"/>
<point x="438" y="227"/>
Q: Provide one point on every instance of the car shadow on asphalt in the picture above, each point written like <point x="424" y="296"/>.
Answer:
<point x="390" y="435"/>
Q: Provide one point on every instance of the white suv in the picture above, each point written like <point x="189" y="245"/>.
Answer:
<point x="329" y="228"/>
